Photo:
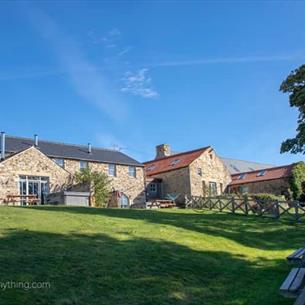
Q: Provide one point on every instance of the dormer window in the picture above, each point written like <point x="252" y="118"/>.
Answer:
<point x="150" y="168"/>
<point x="241" y="176"/>
<point x="261" y="173"/>
<point x="176" y="161"/>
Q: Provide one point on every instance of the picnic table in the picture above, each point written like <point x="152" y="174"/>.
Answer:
<point x="294" y="284"/>
<point x="162" y="204"/>
<point x="29" y="199"/>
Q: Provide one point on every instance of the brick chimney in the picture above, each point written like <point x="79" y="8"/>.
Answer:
<point x="163" y="150"/>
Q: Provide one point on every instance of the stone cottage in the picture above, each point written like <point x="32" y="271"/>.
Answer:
<point x="274" y="180"/>
<point x="198" y="172"/>
<point x="34" y="167"/>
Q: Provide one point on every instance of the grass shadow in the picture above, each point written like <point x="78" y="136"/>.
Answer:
<point x="97" y="269"/>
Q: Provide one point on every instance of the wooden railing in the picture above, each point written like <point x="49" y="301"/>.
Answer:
<point x="248" y="206"/>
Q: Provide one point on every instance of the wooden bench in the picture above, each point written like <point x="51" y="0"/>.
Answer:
<point x="293" y="283"/>
<point x="29" y="199"/>
<point x="162" y="204"/>
<point x="297" y="257"/>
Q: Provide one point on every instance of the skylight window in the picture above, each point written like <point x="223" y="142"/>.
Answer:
<point x="261" y="173"/>
<point x="173" y="163"/>
<point x="241" y="177"/>
<point x="150" y="168"/>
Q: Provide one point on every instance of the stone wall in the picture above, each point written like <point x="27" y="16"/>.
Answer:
<point x="205" y="169"/>
<point x="133" y="188"/>
<point x="175" y="182"/>
<point x="276" y="187"/>
<point x="30" y="162"/>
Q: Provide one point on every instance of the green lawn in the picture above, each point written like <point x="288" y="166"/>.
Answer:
<point x="132" y="257"/>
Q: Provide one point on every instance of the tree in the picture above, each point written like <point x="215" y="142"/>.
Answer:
<point x="295" y="86"/>
<point x="297" y="181"/>
<point x="98" y="185"/>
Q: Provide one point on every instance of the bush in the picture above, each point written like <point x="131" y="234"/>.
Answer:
<point x="297" y="181"/>
<point x="265" y="198"/>
<point x="98" y="185"/>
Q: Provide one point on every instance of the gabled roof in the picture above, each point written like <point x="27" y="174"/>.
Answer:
<point x="239" y="166"/>
<point x="262" y="175"/>
<point x="70" y="151"/>
<point x="173" y="162"/>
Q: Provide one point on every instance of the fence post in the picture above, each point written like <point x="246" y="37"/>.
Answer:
<point x="277" y="209"/>
<point x="296" y="206"/>
<point x="246" y="204"/>
<point x="233" y="205"/>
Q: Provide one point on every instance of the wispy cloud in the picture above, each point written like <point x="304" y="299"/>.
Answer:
<point x="124" y="51"/>
<point x="108" y="140"/>
<point x="139" y="84"/>
<point x="228" y="60"/>
<point x="109" y="39"/>
<point x="87" y="80"/>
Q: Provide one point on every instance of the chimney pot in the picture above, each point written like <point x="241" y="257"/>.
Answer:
<point x="3" y="145"/>
<point x="89" y="148"/>
<point x="163" y="150"/>
<point x="36" y="140"/>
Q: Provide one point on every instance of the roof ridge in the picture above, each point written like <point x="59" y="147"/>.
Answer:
<point x="62" y="143"/>
<point x="178" y="154"/>
<point x="263" y="169"/>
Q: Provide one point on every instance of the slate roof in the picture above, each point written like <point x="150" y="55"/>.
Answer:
<point x="70" y="151"/>
<point x="239" y="166"/>
<point x="173" y="162"/>
<point x="269" y="174"/>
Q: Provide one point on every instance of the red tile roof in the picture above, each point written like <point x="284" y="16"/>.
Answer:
<point x="173" y="162"/>
<point x="270" y="174"/>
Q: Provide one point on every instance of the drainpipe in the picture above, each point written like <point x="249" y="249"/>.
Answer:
<point x="36" y="140"/>
<point x="2" y="145"/>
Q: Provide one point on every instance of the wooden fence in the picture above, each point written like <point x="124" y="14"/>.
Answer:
<point x="247" y="205"/>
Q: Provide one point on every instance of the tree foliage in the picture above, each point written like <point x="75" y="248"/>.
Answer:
<point x="295" y="86"/>
<point x="98" y="183"/>
<point x="297" y="181"/>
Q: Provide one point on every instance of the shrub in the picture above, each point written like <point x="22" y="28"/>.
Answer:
<point x="98" y="185"/>
<point x="297" y="181"/>
<point x="265" y="198"/>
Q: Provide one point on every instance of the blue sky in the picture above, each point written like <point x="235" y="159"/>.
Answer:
<point x="137" y="74"/>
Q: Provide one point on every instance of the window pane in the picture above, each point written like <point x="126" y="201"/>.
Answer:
<point x="60" y="162"/>
<point x="132" y="171"/>
<point x="124" y="201"/>
<point x="112" y="170"/>
<point x="212" y="188"/>
<point x="83" y="164"/>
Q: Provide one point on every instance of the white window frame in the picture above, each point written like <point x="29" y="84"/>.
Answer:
<point x="82" y="162"/>
<point x="60" y="162"/>
<point x="112" y="169"/>
<point x="132" y="171"/>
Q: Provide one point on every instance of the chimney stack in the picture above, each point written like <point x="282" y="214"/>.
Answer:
<point x="36" y="140"/>
<point x="163" y="150"/>
<point x="89" y="148"/>
<point x="3" y="145"/>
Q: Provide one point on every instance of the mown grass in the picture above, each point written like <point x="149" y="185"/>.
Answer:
<point x="107" y="256"/>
